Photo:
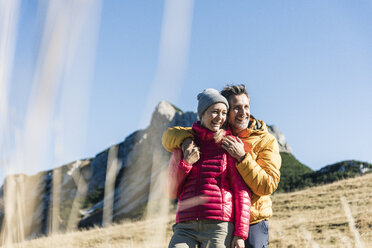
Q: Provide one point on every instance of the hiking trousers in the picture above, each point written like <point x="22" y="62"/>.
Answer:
<point x="202" y="234"/>
<point x="258" y="236"/>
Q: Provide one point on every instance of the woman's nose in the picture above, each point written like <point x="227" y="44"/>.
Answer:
<point x="220" y="116"/>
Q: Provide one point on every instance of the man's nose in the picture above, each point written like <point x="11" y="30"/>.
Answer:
<point x="242" y="111"/>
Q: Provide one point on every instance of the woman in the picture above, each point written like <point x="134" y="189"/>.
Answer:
<point x="213" y="200"/>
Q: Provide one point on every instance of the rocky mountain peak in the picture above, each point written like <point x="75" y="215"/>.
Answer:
<point x="164" y="113"/>
<point x="283" y="145"/>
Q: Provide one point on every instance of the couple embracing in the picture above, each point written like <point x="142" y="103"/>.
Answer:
<point x="223" y="170"/>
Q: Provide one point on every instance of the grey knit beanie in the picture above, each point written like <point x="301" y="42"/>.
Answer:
<point x="207" y="98"/>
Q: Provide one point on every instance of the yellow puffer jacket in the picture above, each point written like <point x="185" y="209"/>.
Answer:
<point x="259" y="168"/>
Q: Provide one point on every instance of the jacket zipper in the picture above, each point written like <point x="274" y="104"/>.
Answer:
<point x="197" y="191"/>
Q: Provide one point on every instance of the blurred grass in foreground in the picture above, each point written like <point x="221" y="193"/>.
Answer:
<point x="314" y="217"/>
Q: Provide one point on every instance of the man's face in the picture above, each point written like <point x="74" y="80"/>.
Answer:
<point x="238" y="116"/>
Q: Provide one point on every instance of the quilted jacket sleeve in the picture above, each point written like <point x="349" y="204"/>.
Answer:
<point x="177" y="172"/>
<point x="174" y="136"/>
<point x="262" y="174"/>
<point x="242" y="201"/>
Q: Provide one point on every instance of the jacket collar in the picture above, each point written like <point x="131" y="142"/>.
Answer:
<point x="254" y="126"/>
<point x="254" y="123"/>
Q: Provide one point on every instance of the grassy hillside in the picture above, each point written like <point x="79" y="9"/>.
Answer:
<point x="295" y="176"/>
<point x="335" y="172"/>
<point x="290" y="172"/>
<point x="314" y="217"/>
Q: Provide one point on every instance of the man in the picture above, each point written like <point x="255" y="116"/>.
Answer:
<point x="256" y="152"/>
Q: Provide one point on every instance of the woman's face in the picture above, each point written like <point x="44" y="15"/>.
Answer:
<point x="214" y="117"/>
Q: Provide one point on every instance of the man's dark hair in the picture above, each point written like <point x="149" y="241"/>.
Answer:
<point x="231" y="89"/>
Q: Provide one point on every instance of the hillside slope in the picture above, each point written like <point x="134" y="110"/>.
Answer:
<point x="314" y="217"/>
<point x="290" y="172"/>
<point x="295" y="175"/>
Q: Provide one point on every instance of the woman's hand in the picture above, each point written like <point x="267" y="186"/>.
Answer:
<point x="235" y="147"/>
<point x="237" y="242"/>
<point x="191" y="153"/>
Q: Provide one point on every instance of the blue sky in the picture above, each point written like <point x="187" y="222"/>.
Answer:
<point x="307" y="66"/>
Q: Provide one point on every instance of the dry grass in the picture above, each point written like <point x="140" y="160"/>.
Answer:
<point x="126" y="234"/>
<point x="314" y="217"/>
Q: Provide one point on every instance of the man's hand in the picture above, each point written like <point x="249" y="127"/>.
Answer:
<point x="191" y="153"/>
<point x="235" y="147"/>
<point x="237" y="242"/>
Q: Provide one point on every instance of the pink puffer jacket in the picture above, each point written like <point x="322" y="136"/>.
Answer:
<point x="211" y="188"/>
